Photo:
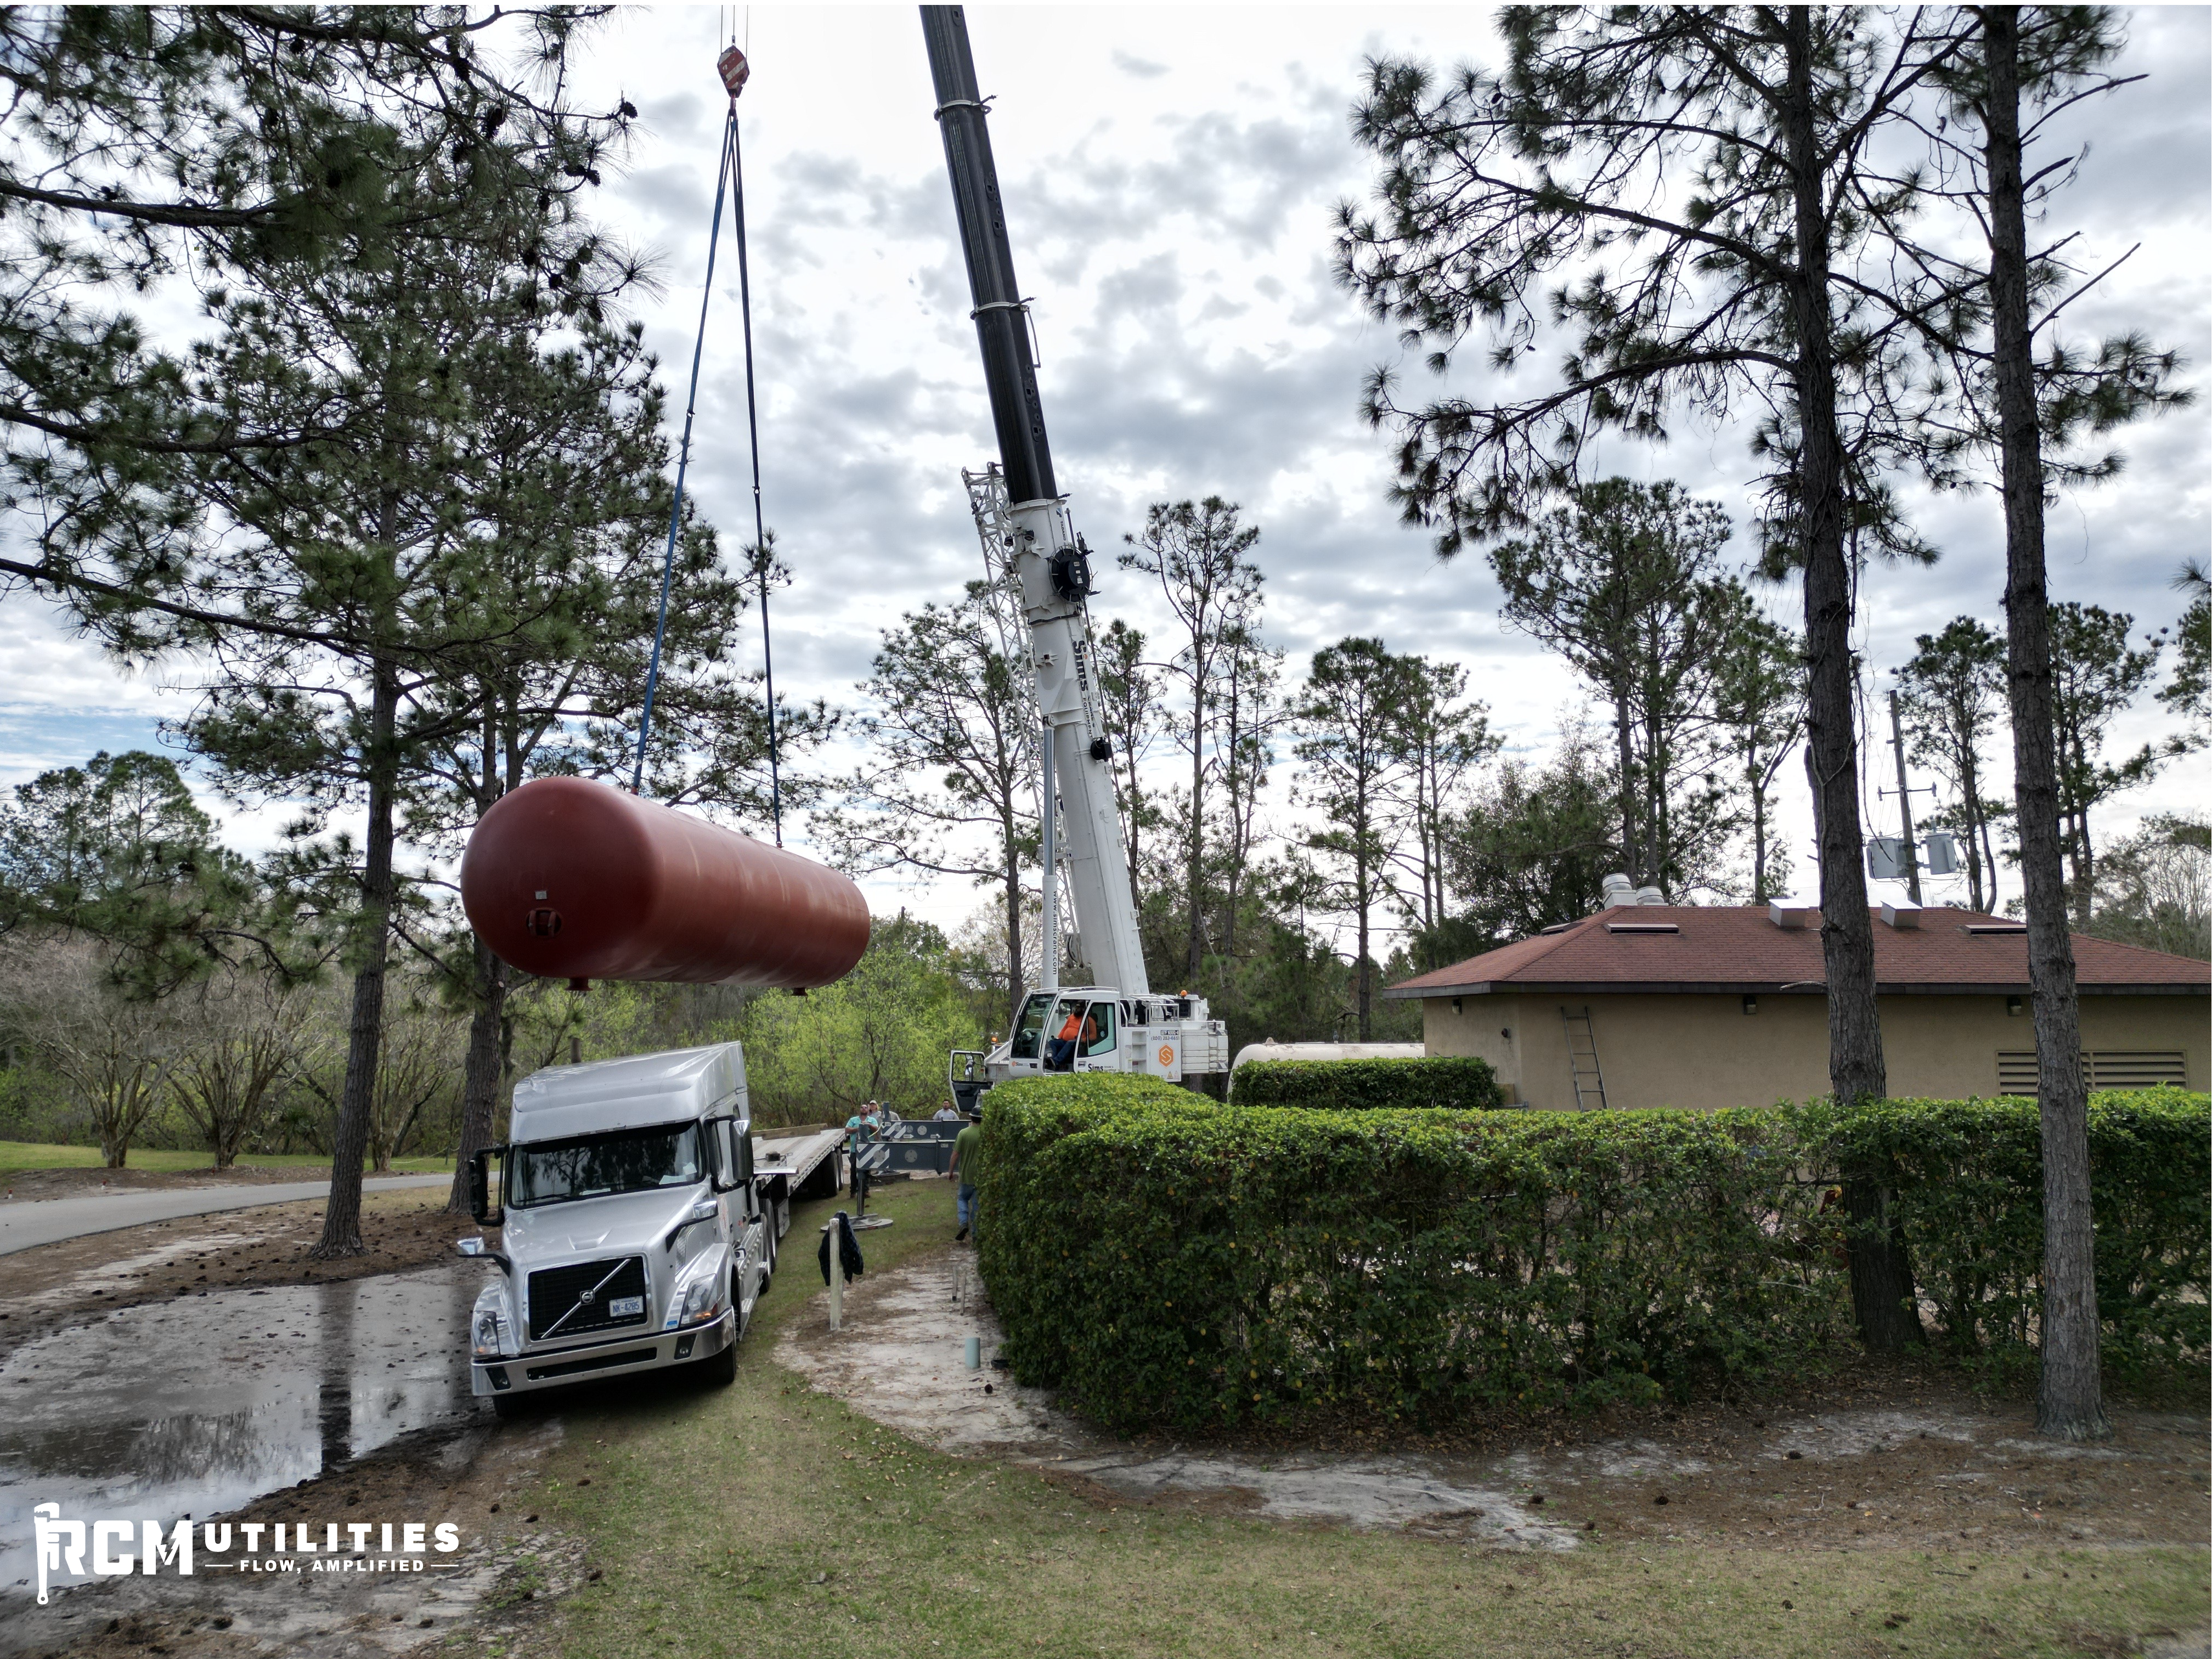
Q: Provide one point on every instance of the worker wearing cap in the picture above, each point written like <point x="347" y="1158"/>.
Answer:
<point x="967" y="1164"/>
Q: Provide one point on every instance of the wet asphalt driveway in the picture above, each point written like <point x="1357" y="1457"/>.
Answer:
<point x="196" y="1407"/>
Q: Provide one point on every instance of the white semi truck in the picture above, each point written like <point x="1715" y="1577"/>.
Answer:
<point x="639" y="1218"/>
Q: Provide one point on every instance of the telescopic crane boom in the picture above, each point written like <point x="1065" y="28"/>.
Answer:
<point x="1165" y="1036"/>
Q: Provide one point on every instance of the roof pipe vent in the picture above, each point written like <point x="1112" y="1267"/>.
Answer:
<point x="1650" y="895"/>
<point x="1905" y="918"/>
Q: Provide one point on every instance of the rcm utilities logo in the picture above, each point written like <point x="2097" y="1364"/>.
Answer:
<point x="114" y="1549"/>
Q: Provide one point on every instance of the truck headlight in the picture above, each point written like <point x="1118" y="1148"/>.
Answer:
<point x="491" y="1326"/>
<point x="703" y="1298"/>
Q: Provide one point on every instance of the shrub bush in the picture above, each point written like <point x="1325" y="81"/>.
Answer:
<point x="1969" y="1194"/>
<point x="1438" y="1080"/>
<point x="1167" y="1262"/>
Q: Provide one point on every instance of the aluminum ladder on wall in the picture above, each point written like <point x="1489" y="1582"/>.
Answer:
<point x="1581" y="1059"/>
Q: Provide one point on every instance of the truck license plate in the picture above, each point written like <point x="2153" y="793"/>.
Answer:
<point x="625" y="1307"/>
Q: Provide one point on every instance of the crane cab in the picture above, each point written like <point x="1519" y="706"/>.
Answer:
<point x="1093" y="1028"/>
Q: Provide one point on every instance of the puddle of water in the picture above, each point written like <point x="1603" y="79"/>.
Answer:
<point x="179" y="1408"/>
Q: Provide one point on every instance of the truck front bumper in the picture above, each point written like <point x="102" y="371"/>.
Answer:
<point x="640" y="1352"/>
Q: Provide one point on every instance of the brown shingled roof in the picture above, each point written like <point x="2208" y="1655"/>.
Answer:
<point x="1739" y="948"/>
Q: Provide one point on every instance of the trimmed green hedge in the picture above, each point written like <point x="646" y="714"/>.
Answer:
<point x="1170" y="1262"/>
<point x="1969" y="1195"/>
<point x="1459" y="1081"/>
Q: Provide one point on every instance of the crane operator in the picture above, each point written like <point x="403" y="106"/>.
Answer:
<point x="1077" y="1030"/>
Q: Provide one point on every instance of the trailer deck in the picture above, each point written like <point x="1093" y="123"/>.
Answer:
<point x="813" y="1164"/>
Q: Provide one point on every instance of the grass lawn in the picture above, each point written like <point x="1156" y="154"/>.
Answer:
<point x="764" y="1518"/>
<point x="35" y="1155"/>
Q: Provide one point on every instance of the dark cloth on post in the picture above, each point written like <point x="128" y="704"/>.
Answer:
<point x="848" y="1249"/>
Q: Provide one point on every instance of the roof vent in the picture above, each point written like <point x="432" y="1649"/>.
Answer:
<point x="1619" y="889"/>
<point x="1650" y="895"/>
<point x="1904" y="917"/>
<point x="1641" y="927"/>
<point x="2000" y="928"/>
<point x="1790" y="914"/>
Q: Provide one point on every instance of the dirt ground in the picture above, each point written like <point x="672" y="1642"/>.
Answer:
<point x="43" y="1289"/>
<point x="1871" y="1458"/>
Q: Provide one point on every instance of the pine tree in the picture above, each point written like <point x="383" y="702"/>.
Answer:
<point x="1198" y="553"/>
<point x="1715" y="178"/>
<point x="214" y="145"/>
<point x="1950" y="693"/>
<point x="1347" y="719"/>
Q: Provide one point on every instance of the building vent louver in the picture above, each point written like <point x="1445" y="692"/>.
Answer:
<point x="1905" y="918"/>
<point x="1793" y="916"/>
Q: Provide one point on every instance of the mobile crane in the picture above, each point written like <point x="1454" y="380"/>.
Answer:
<point x="1118" y="1023"/>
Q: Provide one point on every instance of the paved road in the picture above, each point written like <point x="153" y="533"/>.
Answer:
<point x="28" y="1222"/>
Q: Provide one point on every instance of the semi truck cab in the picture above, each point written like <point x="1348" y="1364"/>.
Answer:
<point x="635" y="1235"/>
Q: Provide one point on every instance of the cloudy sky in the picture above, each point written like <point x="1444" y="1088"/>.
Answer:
<point x="1170" y="176"/>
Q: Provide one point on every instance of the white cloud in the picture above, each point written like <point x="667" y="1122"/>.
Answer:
<point x="1169" y="177"/>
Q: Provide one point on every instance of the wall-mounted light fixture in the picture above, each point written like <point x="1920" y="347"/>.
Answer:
<point x="2013" y="1005"/>
<point x="1751" y="1004"/>
<point x="1506" y="1032"/>
<point x="1455" y="1007"/>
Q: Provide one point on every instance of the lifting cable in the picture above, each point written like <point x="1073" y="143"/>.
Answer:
<point x="729" y="180"/>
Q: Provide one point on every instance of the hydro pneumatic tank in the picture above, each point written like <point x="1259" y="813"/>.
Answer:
<point x="569" y="879"/>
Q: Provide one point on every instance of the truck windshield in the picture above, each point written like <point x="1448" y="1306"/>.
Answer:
<point x="591" y="1166"/>
<point x="1031" y="1029"/>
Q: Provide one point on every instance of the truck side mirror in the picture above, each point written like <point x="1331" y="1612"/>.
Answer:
<point x="481" y="1209"/>
<point x="728" y="1173"/>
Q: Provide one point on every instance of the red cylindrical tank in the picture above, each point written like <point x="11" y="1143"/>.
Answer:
<point x="569" y="879"/>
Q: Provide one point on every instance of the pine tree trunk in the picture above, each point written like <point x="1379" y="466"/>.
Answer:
<point x="1195" y="854"/>
<point x="1014" y="987"/>
<point x="1631" y="849"/>
<point x="481" y="1073"/>
<point x="2070" y="1403"/>
<point x="1758" y="842"/>
<point x="373" y="937"/>
<point x="1881" y="1283"/>
<point x="1366" y="981"/>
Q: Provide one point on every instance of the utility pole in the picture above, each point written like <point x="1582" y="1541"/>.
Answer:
<point x="1905" y="803"/>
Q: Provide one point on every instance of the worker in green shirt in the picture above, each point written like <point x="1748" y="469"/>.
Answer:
<point x="967" y="1161"/>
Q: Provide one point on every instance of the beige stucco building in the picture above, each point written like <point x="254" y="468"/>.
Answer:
<point x="1708" y="1006"/>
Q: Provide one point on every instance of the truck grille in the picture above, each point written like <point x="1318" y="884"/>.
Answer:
<point x="554" y="1292"/>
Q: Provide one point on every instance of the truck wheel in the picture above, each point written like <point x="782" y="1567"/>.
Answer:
<point x="720" y="1370"/>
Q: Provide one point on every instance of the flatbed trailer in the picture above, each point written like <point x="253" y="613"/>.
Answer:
<point x="788" y="1169"/>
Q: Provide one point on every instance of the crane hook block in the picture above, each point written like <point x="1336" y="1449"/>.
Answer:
<point x="734" y="71"/>
<point x="567" y="878"/>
